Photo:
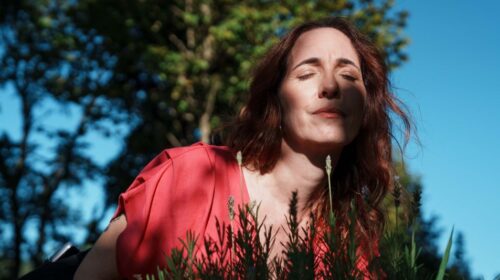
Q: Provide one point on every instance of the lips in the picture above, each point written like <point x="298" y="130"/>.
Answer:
<point x="330" y="112"/>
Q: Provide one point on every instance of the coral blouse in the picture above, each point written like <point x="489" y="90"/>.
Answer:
<point x="181" y="189"/>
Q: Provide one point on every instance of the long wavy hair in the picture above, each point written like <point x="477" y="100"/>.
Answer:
<point x="364" y="172"/>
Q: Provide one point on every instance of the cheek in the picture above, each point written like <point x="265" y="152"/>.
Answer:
<point x="294" y="113"/>
<point x="292" y="99"/>
<point x="355" y="102"/>
<point x="289" y="112"/>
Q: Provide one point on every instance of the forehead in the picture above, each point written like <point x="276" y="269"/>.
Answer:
<point x="324" y="43"/>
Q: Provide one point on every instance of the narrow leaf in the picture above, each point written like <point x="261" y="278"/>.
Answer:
<point x="444" y="260"/>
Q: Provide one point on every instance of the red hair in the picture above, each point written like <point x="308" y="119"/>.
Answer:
<point x="363" y="173"/>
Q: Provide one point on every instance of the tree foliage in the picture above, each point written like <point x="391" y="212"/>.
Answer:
<point x="406" y="221"/>
<point x="170" y="72"/>
<point x="37" y="49"/>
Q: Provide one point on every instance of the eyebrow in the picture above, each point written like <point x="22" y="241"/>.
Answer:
<point x="316" y="61"/>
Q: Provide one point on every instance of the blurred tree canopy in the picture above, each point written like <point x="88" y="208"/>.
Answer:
<point x="403" y="210"/>
<point x="168" y="71"/>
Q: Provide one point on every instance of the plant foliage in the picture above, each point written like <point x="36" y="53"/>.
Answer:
<point x="308" y="253"/>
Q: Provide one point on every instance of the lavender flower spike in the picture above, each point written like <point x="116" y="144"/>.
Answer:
<point x="328" y="169"/>
<point x="239" y="158"/>
<point x="328" y="166"/>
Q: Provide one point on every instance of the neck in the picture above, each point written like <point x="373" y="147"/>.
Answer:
<point x="295" y="171"/>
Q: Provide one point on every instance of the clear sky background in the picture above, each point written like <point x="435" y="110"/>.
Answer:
<point x="452" y="86"/>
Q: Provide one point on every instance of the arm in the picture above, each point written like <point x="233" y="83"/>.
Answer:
<point x="100" y="262"/>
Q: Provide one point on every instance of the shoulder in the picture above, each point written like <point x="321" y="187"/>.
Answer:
<point x="198" y="150"/>
<point x="177" y="191"/>
<point x="196" y="157"/>
<point x="182" y="171"/>
<point x="188" y="158"/>
<point x="181" y="168"/>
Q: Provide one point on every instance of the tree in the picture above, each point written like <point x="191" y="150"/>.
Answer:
<point x="403" y="209"/>
<point x="39" y="44"/>
<point x="169" y="71"/>
<point x="192" y="60"/>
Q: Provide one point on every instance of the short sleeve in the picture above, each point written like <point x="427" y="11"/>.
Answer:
<point x="136" y="203"/>
<point x="133" y="199"/>
<point x="171" y="195"/>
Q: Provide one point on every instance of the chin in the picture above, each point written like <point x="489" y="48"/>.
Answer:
<point x="325" y="140"/>
<point x="329" y="143"/>
<point x="334" y="138"/>
<point x="334" y="143"/>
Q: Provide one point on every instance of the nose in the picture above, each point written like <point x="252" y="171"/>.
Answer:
<point x="330" y="88"/>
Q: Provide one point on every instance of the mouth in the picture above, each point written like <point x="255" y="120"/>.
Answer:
<point x="330" y="112"/>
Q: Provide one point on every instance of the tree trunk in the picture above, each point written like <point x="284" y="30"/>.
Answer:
<point x="205" y="127"/>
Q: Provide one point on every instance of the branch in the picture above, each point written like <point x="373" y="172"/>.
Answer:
<point x="173" y="140"/>
<point x="53" y="180"/>
<point x="178" y="43"/>
<point x="27" y="108"/>
<point x="60" y="173"/>
<point x="190" y="36"/>
<point x="209" y="108"/>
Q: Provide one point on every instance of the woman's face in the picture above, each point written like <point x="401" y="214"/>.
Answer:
<point x="322" y="93"/>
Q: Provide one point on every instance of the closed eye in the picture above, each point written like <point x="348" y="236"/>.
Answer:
<point x="305" y="76"/>
<point x="349" y="77"/>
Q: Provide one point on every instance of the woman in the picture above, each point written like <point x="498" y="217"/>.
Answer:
<point x="322" y="90"/>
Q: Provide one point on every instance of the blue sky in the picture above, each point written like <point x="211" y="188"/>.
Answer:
<point x="452" y="86"/>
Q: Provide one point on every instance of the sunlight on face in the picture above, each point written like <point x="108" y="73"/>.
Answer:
<point x="322" y="93"/>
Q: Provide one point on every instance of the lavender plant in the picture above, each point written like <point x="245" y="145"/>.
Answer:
<point x="245" y="252"/>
